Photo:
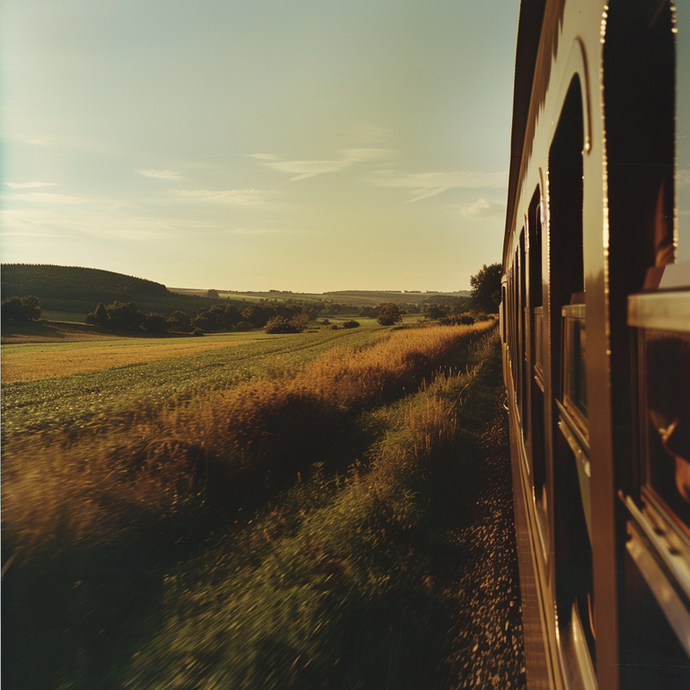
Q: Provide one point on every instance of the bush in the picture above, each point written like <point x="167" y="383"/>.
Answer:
<point x="279" y="324"/>
<point x="465" y="319"/>
<point x="155" y="323"/>
<point x="180" y="321"/>
<point x="351" y="324"/>
<point x="118" y="316"/>
<point x="21" y="308"/>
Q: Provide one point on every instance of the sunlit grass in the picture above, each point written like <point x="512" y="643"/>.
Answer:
<point x="160" y="472"/>
<point x="333" y="588"/>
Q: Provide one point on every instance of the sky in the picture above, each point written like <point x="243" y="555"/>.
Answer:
<point x="304" y="145"/>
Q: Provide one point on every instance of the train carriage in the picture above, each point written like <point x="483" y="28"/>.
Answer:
<point x="595" y="317"/>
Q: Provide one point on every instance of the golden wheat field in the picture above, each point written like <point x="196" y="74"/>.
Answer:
<point x="36" y="361"/>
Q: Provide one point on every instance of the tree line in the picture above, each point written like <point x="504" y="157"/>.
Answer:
<point x="218" y="318"/>
<point x="276" y="318"/>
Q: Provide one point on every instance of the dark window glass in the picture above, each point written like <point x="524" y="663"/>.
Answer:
<point x="574" y="365"/>
<point x="666" y="379"/>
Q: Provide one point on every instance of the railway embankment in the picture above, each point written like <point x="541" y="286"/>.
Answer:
<point x="485" y="641"/>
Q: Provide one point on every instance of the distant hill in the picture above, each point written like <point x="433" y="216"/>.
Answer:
<point x="76" y="290"/>
<point x="71" y="292"/>
<point x="358" y="298"/>
<point x="74" y="283"/>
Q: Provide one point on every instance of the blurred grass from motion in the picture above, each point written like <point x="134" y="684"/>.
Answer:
<point x="269" y="521"/>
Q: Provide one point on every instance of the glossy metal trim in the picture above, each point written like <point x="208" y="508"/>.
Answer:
<point x="583" y="471"/>
<point x="575" y="655"/>
<point x="666" y="596"/>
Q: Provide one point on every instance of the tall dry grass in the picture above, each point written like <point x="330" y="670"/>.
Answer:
<point x="98" y="526"/>
<point x="334" y="588"/>
<point x="208" y="450"/>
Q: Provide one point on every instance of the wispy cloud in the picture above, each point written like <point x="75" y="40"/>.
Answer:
<point x="303" y="169"/>
<point x="255" y="231"/>
<point x="244" y="197"/>
<point x="47" y="198"/>
<point x="161" y="174"/>
<point x="484" y="208"/>
<point x="40" y="222"/>
<point x="30" y="185"/>
<point x="430" y="184"/>
<point x="264" y="156"/>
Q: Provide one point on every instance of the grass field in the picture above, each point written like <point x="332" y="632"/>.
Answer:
<point x="234" y="515"/>
<point x="34" y="361"/>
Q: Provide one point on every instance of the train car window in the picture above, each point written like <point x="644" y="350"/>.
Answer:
<point x="574" y="364"/>
<point x="641" y="143"/>
<point x="659" y="524"/>
<point x="640" y="116"/>
<point x="535" y="285"/>
<point x="536" y="312"/>
<point x="524" y="339"/>
<point x="663" y="323"/>
<point x="566" y="232"/>
<point x="666" y="386"/>
<point x="571" y="488"/>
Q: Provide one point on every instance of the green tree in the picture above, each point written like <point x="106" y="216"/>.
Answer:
<point x="180" y="321"/>
<point x="279" y="324"/>
<point x="155" y="323"/>
<point x="124" y="316"/>
<point x="256" y="315"/>
<point x="486" y="288"/>
<point x="435" y="311"/>
<point x="389" y="314"/>
<point x="21" y="308"/>
<point x="98" y="317"/>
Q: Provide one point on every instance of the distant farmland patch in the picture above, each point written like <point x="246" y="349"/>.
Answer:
<point x="32" y="362"/>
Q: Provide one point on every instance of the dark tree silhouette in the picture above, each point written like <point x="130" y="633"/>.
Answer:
<point x="486" y="288"/>
<point x="180" y="321"/>
<point x="389" y="314"/>
<point x="21" y="308"/>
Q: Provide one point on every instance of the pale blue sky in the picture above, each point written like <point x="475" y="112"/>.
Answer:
<point x="303" y="145"/>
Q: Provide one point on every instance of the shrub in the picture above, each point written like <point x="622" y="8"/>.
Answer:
<point x="279" y="324"/>
<point x="465" y="319"/>
<point x="21" y="308"/>
<point x="118" y="316"/>
<point x="155" y="323"/>
<point x="351" y="324"/>
<point x="180" y="321"/>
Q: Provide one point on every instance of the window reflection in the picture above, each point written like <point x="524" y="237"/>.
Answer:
<point x="574" y="365"/>
<point x="667" y="379"/>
